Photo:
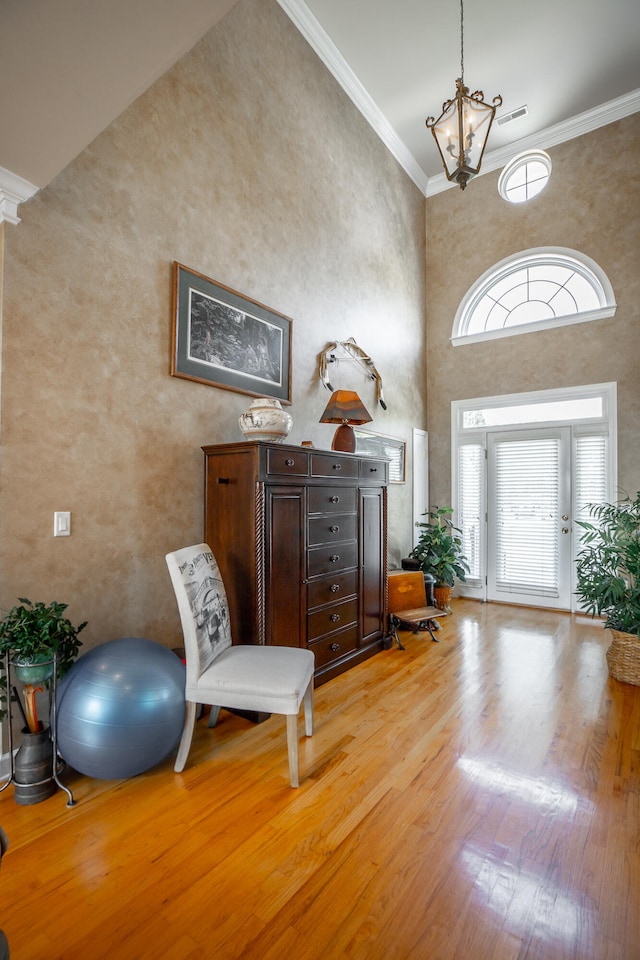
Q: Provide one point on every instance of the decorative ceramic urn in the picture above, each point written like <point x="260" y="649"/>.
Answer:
<point x="266" y="420"/>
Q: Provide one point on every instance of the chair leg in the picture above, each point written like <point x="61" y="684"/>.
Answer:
<point x="308" y="710"/>
<point x="292" y="747"/>
<point x="187" y="734"/>
<point x="213" y="716"/>
<point x="394" y="623"/>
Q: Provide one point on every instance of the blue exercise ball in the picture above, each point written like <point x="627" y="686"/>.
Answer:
<point x="120" y="708"/>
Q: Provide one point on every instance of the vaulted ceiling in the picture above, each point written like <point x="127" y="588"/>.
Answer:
<point x="68" y="67"/>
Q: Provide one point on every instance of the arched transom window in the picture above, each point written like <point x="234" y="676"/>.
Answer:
<point x="533" y="290"/>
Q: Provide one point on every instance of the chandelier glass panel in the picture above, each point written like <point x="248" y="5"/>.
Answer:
<point x="462" y="130"/>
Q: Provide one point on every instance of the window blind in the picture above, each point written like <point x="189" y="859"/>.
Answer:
<point x="526" y="505"/>
<point x="470" y="508"/>
<point x="590" y="477"/>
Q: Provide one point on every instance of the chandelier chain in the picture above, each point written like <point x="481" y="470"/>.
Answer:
<point x="462" y="129"/>
<point x="461" y="41"/>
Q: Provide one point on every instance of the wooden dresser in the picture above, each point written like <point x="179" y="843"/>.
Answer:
<point x="300" y="536"/>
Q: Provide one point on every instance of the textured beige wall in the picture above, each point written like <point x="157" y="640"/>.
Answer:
<point x="248" y="163"/>
<point x="592" y="204"/>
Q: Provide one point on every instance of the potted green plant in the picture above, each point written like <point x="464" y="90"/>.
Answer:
<point x="31" y="634"/>
<point x="439" y="552"/>
<point x="608" y="580"/>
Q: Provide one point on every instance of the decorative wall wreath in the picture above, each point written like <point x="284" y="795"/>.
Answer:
<point x="349" y="350"/>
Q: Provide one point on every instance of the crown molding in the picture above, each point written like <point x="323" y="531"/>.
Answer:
<point x="319" y="40"/>
<point x="552" y="136"/>
<point x="13" y="191"/>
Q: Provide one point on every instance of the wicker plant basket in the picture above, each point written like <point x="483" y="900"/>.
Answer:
<point x="623" y="657"/>
<point x="442" y="597"/>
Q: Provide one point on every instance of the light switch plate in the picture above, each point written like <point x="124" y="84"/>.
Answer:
<point x="62" y="523"/>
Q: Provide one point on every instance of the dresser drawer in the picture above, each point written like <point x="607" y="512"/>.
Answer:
<point x="330" y="589"/>
<point x="333" y="465"/>
<point x="375" y="471"/>
<point x="287" y="463"/>
<point x="333" y="499"/>
<point x="332" y="618"/>
<point x="335" y="646"/>
<point x="332" y="529"/>
<point x="332" y="558"/>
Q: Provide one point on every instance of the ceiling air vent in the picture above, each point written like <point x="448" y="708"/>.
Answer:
<point x="514" y="115"/>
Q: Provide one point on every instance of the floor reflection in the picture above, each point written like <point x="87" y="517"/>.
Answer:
<point x="540" y="791"/>
<point x="529" y="903"/>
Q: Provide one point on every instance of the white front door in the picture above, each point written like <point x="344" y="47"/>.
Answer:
<point x="529" y="517"/>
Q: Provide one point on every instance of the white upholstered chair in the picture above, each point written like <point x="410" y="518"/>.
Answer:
<point x="269" y="679"/>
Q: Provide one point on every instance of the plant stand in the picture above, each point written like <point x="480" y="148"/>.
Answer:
<point x="37" y="753"/>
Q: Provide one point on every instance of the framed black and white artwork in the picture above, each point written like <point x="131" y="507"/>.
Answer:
<point x="225" y="339"/>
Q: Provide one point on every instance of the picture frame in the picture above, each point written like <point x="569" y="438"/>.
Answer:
<point x="392" y="449"/>
<point x="225" y="339"/>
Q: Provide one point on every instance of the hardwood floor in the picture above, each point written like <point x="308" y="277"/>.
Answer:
<point x="472" y="799"/>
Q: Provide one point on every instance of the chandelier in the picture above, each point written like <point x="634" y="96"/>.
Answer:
<point x="462" y="129"/>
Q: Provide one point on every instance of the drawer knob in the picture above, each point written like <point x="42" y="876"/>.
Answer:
<point x="373" y="469"/>
<point x="337" y="466"/>
<point x="334" y="647"/>
<point x="334" y="558"/>
<point x="334" y="529"/>
<point x="334" y="499"/>
<point x="334" y="617"/>
<point x="289" y="462"/>
<point x="334" y="587"/>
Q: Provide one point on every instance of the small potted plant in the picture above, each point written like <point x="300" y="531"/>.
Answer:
<point x="32" y="634"/>
<point x="439" y="552"/>
<point x="608" y="580"/>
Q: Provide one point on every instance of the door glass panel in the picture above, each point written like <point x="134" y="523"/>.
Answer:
<point x="526" y="512"/>
<point x="529" y="527"/>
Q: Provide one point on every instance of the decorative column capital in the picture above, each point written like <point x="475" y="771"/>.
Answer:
<point x="13" y="191"/>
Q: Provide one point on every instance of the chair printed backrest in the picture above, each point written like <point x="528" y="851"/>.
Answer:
<point x="203" y="607"/>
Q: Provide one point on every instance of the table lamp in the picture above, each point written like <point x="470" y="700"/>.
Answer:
<point x="345" y="407"/>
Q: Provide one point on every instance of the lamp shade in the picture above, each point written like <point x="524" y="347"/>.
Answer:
<point x="345" y="407"/>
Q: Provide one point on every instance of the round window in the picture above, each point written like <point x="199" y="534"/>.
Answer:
<point x="525" y="176"/>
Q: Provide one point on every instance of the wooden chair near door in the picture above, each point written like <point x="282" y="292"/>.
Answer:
<point x="408" y="609"/>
